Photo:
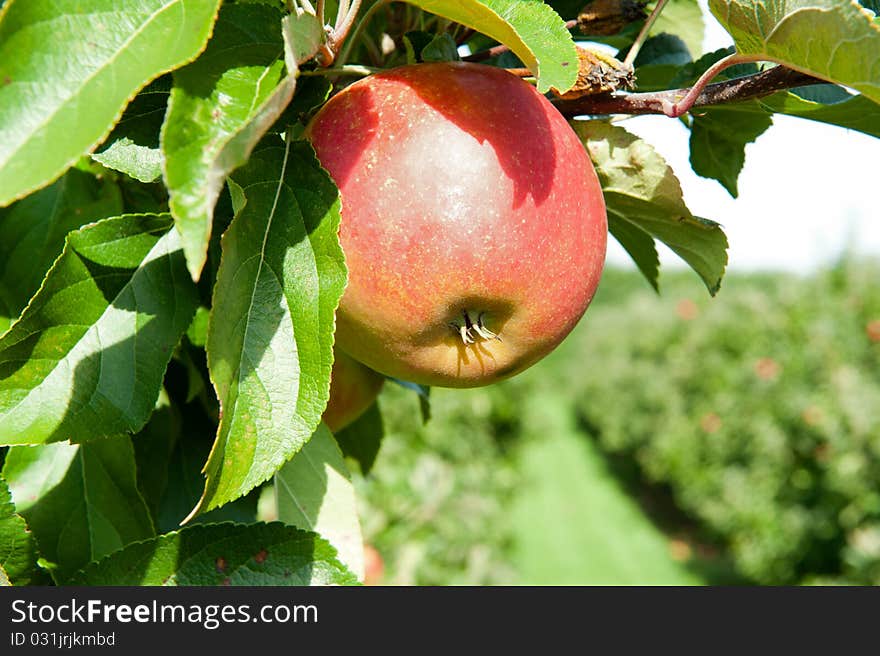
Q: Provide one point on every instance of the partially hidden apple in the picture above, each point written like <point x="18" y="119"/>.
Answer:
<point x="473" y="223"/>
<point x="353" y="388"/>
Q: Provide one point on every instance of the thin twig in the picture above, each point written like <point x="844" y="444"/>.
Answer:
<point x="749" y="87"/>
<point x="643" y="33"/>
<point x="355" y="34"/>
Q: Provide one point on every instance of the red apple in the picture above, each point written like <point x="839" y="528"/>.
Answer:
<point x="353" y="388"/>
<point x="374" y="566"/>
<point x="473" y="223"/>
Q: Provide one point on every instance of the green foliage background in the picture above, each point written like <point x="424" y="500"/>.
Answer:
<point x="737" y="438"/>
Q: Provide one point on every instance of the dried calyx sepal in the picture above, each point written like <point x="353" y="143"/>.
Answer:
<point x="599" y="73"/>
<point x="469" y="328"/>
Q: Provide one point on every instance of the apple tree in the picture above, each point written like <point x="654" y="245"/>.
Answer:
<point x="225" y="225"/>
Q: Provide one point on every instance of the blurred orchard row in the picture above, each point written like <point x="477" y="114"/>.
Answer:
<point x="671" y="439"/>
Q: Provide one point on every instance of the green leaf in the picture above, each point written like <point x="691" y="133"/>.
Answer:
<point x="186" y="483"/>
<point x="197" y="333"/>
<point x="311" y="93"/>
<point x="663" y="49"/>
<point x="32" y="231"/>
<point x="718" y="139"/>
<point x="18" y="549"/>
<point x="684" y="19"/>
<point x="68" y="69"/>
<point x="414" y="42"/>
<point x="223" y="554"/>
<point x="81" y="501"/>
<point x="313" y="491"/>
<point x="441" y="48"/>
<point x="424" y="394"/>
<point x="195" y="379"/>
<point x="659" y="61"/>
<point x="87" y="356"/>
<point x="270" y="337"/>
<point x="823" y="93"/>
<point x="361" y="439"/>
<point x="719" y="134"/>
<point x="639" y="244"/>
<point x="220" y="107"/>
<point x="531" y="29"/>
<point x="641" y="188"/>
<point x="830" y="39"/>
<point x="133" y="146"/>
<point x="152" y="452"/>
<point x="857" y="113"/>
<point x="690" y="73"/>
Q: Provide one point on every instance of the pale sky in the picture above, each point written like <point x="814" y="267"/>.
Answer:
<point x="807" y="190"/>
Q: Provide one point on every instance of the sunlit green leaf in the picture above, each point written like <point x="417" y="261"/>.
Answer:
<point x="529" y="28"/>
<point x="18" y="550"/>
<point x="223" y="554"/>
<point x="684" y="19"/>
<point x="639" y="187"/>
<point x="313" y="491"/>
<point x="32" y="231"/>
<point x="68" y="69"/>
<point x="220" y="107"/>
<point x="81" y="502"/>
<point x="87" y="356"/>
<point x="133" y="146"/>
<point x="832" y="39"/>
<point x="270" y="336"/>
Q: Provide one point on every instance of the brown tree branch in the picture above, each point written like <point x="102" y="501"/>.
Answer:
<point x="742" y="88"/>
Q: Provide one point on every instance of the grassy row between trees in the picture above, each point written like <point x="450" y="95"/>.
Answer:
<point x="734" y="439"/>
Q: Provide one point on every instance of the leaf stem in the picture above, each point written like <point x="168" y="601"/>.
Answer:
<point x="676" y="109"/>
<point x="347" y="69"/>
<point x="643" y="33"/>
<point x="355" y="34"/>
<point x="337" y="34"/>
<point x="341" y="11"/>
<point x="342" y="28"/>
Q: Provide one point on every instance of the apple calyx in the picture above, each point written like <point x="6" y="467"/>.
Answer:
<point x="466" y="331"/>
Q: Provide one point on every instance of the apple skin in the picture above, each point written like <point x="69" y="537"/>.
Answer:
<point x="374" y="566"/>
<point x="463" y="190"/>
<point x="353" y="388"/>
